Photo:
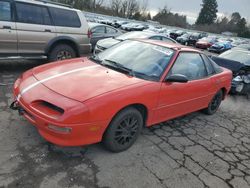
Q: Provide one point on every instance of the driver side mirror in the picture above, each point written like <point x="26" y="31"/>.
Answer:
<point x="177" y="78"/>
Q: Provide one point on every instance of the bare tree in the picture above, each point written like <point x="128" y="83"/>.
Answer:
<point x="144" y="7"/>
<point x="132" y="8"/>
<point x="98" y="3"/>
<point x="116" y="6"/>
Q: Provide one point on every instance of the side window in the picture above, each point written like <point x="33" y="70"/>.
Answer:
<point x="189" y="64"/>
<point x="110" y="30"/>
<point x="167" y="40"/>
<point x="210" y="68"/>
<point x="98" y="30"/>
<point x="155" y="38"/>
<point x="33" y="14"/>
<point x="5" y="11"/>
<point x="65" y="18"/>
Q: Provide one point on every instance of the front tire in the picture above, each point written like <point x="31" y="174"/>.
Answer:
<point x="124" y="130"/>
<point x="61" y="52"/>
<point x="214" y="103"/>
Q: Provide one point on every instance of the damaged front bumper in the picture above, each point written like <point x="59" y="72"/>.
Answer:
<point x="14" y="106"/>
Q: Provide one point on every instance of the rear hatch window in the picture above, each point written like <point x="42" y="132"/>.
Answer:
<point x="65" y="18"/>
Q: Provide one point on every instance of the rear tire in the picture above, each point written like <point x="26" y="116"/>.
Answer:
<point x="214" y="104"/>
<point x="124" y="130"/>
<point x="61" y="52"/>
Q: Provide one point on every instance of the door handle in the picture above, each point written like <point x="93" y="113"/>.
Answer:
<point x="47" y="30"/>
<point x="6" y="27"/>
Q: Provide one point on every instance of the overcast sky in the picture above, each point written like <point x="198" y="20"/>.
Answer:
<point x="191" y="8"/>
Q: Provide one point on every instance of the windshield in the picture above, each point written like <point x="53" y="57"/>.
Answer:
<point x="186" y="35"/>
<point x="144" y="60"/>
<point x="237" y="55"/>
<point x="131" y="35"/>
<point x="195" y="35"/>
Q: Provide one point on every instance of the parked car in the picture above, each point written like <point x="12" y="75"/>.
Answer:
<point x="195" y="37"/>
<point x="139" y="83"/>
<point x="205" y="42"/>
<point x="101" y="31"/>
<point x="133" y="27"/>
<point x="39" y="29"/>
<point x="118" y="24"/>
<point x="155" y="29"/>
<point x="220" y="47"/>
<point x="107" y="43"/>
<point x="177" y="33"/>
<point x="105" y="21"/>
<point x="238" y="61"/>
<point x="184" y="39"/>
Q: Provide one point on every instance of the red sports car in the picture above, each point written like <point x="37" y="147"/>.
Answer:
<point x="110" y="97"/>
<point x="206" y="42"/>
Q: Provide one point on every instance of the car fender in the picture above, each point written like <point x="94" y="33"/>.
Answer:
<point x="59" y="39"/>
<point x="106" y="106"/>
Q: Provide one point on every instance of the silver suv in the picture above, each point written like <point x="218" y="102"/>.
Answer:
<point x="41" y="29"/>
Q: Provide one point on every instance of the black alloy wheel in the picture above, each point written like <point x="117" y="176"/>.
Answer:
<point x="214" y="104"/>
<point x="123" y="130"/>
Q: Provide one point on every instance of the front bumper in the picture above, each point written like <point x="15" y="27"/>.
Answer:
<point x="69" y="129"/>
<point x="79" y="134"/>
<point x="202" y="46"/>
<point x="216" y="50"/>
<point x="98" y="49"/>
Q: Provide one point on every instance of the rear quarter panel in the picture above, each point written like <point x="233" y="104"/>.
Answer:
<point x="223" y="81"/>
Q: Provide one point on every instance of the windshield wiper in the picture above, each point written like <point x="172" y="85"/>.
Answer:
<point x="120" y="67"/>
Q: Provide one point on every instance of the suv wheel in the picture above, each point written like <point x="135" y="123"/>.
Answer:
<point x="61" y="52"/>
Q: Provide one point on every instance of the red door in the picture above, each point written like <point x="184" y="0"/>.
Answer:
<point x="176" y="99"/>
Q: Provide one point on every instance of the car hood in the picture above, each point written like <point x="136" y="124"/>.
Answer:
<point x="232" y="65"/>
<point x="203" y="42"/>
<point x="81" y="79"/>
<point x="107" y="43"/>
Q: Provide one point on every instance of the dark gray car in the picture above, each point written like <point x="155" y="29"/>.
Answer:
<point x="107" y="43"/>
<point x="101" y="31"/>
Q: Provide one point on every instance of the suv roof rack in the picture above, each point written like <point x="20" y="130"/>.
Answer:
<point x="54" y="3"/>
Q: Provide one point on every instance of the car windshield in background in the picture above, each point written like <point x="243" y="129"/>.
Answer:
<point x="237" y="55"/>
<point x="195" y="35"/>
<point x="186" y="35"/>
<point x="131" y="35"/>
<point x="146" y="61"/>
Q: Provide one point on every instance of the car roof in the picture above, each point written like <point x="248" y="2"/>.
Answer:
<point x="174" y="46"/>
<point x="48" y="3"/>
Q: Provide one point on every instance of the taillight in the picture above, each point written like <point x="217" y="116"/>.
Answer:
<point x="89" y="34"/>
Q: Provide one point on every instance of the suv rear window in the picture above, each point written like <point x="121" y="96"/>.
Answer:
<point x="33" y="14"/>
<point x="5" y="11"/>
<point x="65" y="18"/>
